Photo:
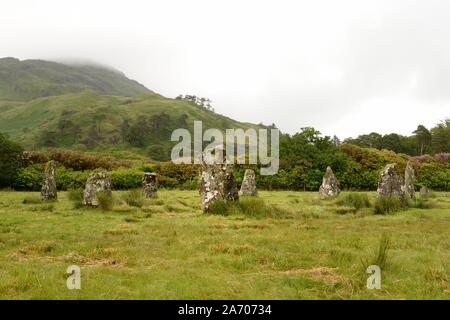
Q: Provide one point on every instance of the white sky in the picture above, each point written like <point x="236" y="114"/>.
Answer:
<point x="344" y="67"/>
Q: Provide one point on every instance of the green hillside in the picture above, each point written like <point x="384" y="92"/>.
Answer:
<point x="29" y="79"/>
<point x="90" y="121"/>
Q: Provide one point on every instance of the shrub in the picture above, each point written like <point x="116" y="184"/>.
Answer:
<point x="10" y="161"/>
<point x="75" y="160"/>
<point x="134" y="198"/>
<point x="354" y="200"/>
<point x="388" y="204"/>
<point x="124" y="179"/>
<point x="105" y="201"/>
<point x="76" y="197"/>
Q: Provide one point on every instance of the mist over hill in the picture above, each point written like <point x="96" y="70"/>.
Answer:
<point x="30" y="79"/>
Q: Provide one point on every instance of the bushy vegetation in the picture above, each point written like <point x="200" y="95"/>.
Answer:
<point x="354" y="200"/>
<point x="388" y="204"/>
<point x="105" y="200"/>
<point x="10" y="161"/>
<point x="134" y="198"/>
<point x="250" y="207"/>
<point x="76" y="197"/>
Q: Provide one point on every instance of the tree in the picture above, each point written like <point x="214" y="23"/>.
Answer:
<point x="423" y="138"/>
<point x="10" y="161"/>
<point x="440" y="137"/>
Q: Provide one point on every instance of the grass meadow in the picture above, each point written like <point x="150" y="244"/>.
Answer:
<point x="299" y="247"/>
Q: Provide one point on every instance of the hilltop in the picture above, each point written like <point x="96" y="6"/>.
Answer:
<point x="30" y="79"/>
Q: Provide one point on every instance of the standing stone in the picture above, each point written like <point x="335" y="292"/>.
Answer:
<point x="390" y="182"/>
<point x="216" y="180"/>
<point x="248" y="187"/>
<point x="424" y="192"/>
<point x="48" y="191"/>
<point x="409" y="181"/>
<point x="150" y="185"/>
<point x="97" y="182"/>
<point x="330" y="185"/>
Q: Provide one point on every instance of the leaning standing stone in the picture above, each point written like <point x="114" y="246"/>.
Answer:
<point x="409" y="181"/>
<point x="97" y="182"/>
<point x="216" y="179"/>
<point x="330" y="185"/>
<point x="150" y="185"/>
<point x="48" y="191"/>
<point x="248" y="187"/>
<point x="390" y="182"/>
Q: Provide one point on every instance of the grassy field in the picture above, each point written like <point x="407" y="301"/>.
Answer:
<point x="168" y="249"/>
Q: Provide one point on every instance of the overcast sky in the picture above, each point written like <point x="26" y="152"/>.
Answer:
<point x="343" y="67"/>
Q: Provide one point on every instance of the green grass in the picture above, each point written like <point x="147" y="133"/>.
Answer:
<point x="168" y="249"/>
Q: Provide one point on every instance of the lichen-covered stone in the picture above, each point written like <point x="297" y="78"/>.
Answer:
<point x="424" y="192"/>
<point x="97" y="182"/>
<point x="390" y="182"/>
<point x="248" y="187"/>
<point x="409" y="181"/>
<point x="330" y="185"/>
<point x="150" y="185"/>
<point x="48" y="190"/>
<point x="216" y="180"/>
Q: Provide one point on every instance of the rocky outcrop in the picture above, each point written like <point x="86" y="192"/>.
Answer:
<point x="248" y="187"/>
<point x="390" y="183"/>
<point x="97" y="182"/>
<point x="48" y="190"/>
<point x="150" y="185"/>
<point x="409" y="181"/>
<point x="330" y="185"/>
<point x="216" y="179"/>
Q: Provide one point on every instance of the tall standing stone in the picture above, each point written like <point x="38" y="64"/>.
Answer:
<point x="48" y="190"/>
<point x="409" y="181"/>
<point x="150" y="185"/>
<point x="97" y="182"/>
<point x="390" y="182"/>
<point x="216" y="179"/>
<point x="330" y="185"/>
<point x="248" y="187"/>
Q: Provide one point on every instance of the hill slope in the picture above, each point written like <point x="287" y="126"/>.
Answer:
<point x="88" y="120"/>
<point x="30" y="79"/>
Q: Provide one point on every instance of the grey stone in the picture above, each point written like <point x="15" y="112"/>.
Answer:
<point x="390" y="183"/>
<point x="424" y="191"/>
<point x="248" y="187"/>
<point x="216" y="180"/>
<point x="97" y="182"/>
<point x="48" y="190"/>
<point x="330" y="185"/>
<point x="150" y="185"/>
<point x="409" y="181"/>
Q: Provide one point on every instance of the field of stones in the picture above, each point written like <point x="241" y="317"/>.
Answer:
<point x="224" y="244"/>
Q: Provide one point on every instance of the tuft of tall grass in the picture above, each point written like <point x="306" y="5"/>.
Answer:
<point x="250" y="207"/>
<point x="76" y="197"/>
<point x="354" y="200"/>
<point x="384" y="205"/>
<point x="381" y="256"/>
<point x="31" y="199"/>
<point x="105" y="200"/>
<point x="134" y="198"/>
